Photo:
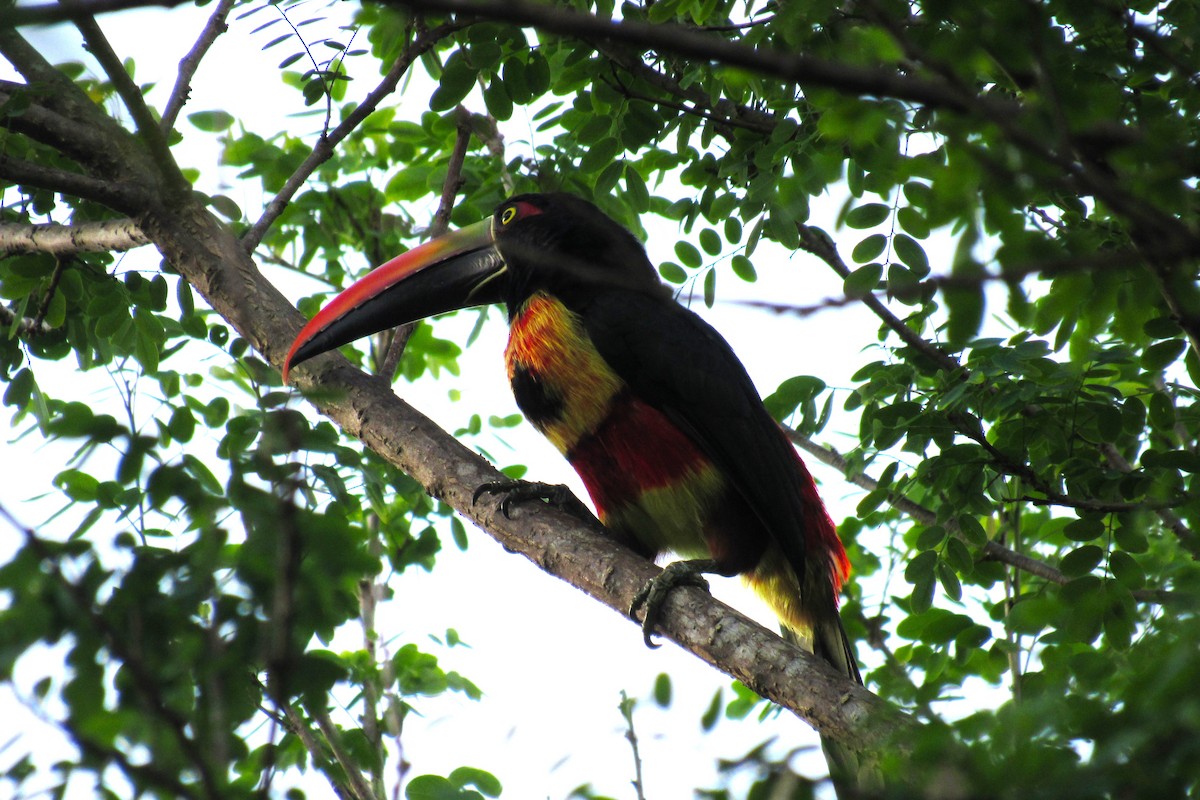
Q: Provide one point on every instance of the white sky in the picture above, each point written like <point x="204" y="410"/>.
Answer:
<point x="552" y="662"/>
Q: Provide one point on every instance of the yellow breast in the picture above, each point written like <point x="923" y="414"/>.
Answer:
<point x="548" y="344"/>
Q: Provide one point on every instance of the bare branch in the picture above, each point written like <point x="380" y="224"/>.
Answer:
<point x="441" y="223"/>
<point x="124" y="197"/>
<point x="324" y="147"/>
<point x="817" y="242"/>
<point x="89" y="237"/>
<point x="147" y="126"/>
<point x="25" y="326"/>
<point x="56" y="12"/>
<point x="191" y="62"/>
<point x="705" y="47"/>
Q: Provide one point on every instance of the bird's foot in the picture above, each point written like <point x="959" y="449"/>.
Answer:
<point x="654" y="593"/>
<point x="516" y="492"/>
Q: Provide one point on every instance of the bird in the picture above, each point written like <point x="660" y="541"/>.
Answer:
<point x="646" y="400"/>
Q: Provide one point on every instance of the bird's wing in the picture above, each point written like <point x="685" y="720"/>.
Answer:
<point x="674" y="361"/>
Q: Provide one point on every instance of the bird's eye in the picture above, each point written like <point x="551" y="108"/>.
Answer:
<point x="508" y="215"/>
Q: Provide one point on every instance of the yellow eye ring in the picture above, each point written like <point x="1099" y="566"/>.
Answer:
<point x="508" y="215"/>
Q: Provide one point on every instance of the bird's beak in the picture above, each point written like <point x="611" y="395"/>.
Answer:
<point x="457" y="270"/>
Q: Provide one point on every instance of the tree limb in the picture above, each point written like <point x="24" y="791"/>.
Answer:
<point x="703" y="46"/>
<point x="117" y="235"/>
<point x="126" y="197"/>
<point x="147" y="126"/>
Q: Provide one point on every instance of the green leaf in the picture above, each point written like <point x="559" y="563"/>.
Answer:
<point x="672" y="272"/>
<point x="495" y="97"/>
<point x="869" y="248"/>
<point x="211" y="121"/>
<point x="1160" y="355"/>
<point x="458" y="78"/>
<point x="688" y="254"/>
<point x="434" y="787"/>
<point x="867" y="215"/>
<point x="743" y="268"/>
<point x="601" y="155"/>
<point x="638" y="194"/>
<point x="1081" y="560"/>
<point x="863" y="281"/>
<point x="911" y="253"/>
<point x="662" y="690"/>
<point x="710" y="242"/>
<point x="485" y="782"/>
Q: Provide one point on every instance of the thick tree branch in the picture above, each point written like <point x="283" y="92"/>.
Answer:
<point x="116" y="235"/>
<point x="324" y="147"/>
<point x="704" y="47"/>
<point x="147" y="126"/>
<point x="125" y="197"/>
<point x="191" y="62"/>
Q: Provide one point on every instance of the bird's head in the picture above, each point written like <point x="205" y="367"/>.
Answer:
<point x="556" y="243"/>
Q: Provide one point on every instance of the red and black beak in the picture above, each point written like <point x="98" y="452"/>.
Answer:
<point x="457" y="270"/>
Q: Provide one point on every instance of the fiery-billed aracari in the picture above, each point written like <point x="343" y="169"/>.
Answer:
<point x="645" y="399"/>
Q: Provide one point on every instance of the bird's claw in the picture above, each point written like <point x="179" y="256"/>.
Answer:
<point x="516" y="492"/>
<point x="654" y="593"/>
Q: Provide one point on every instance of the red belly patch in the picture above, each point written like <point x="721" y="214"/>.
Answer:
<point x="634" y="450"/>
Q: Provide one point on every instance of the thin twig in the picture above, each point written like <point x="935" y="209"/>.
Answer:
<point x="358" y="785"/>
<point x="441" y="223"/>
<point x="191" y="62"/>
<point x="817" y="242"/>
<point x="626" y="708"/>
<point x="325" y="146"/>
<point x="39" y="319"/>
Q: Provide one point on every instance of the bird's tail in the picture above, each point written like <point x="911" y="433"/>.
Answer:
<point x="852" y="777"/>
<point x="813" y="623"/>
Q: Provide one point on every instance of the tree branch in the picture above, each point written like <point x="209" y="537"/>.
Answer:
<point x="147" y="126"/>
<point x="116" y="235"/>
<point x="25" y="325"/>
<point x="816" y="241"/>
<point x="441" y="223"/>
<point x="324" y="147"/>
<point x="55" y="12"/>
<point x="191" y="62"/>
<point x="125" y="197"/>
<point x="704" y="47"/>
